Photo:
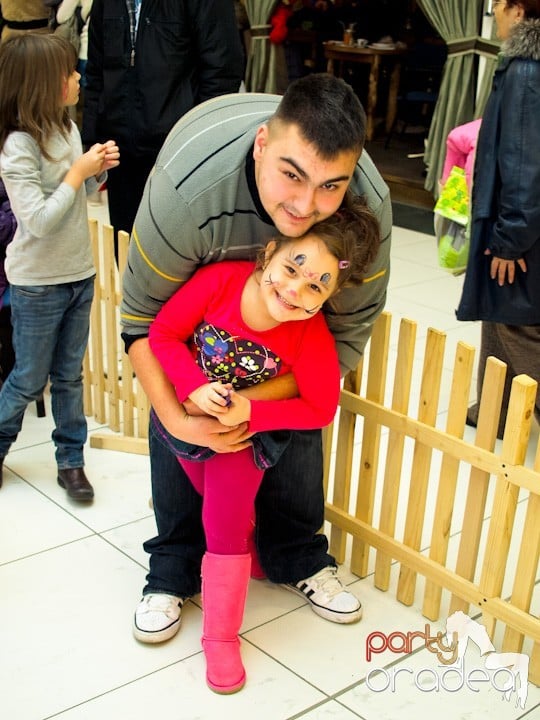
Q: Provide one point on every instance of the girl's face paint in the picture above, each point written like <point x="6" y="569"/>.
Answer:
<point x="298" y="279"/>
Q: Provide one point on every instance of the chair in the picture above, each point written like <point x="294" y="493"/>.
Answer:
<point x="419" y="87"/>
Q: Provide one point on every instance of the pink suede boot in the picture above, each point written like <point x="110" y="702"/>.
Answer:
<point x="224" y="587"/>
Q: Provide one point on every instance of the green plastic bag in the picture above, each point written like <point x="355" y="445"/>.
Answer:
<point x="452" y="245"/>
<point x="453" y="202"/>
<point x="451" y="219"/>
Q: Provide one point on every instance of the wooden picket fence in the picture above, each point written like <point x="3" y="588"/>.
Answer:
<point x="374" y="481"/>
<point x="111" y="392"/>
<point x="458" y="522"/>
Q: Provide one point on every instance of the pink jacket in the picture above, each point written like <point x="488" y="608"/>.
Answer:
<point x="460" y="150"/>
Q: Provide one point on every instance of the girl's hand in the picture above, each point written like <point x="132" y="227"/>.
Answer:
<point x="94" y="162"/>
<point x="112" y="156"/>
<point x="239" y="411"/>
<point x="91" y="162"/>
<point x="212" y="398"/>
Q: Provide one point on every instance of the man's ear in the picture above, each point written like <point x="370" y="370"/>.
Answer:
<point x="261" y="141"/>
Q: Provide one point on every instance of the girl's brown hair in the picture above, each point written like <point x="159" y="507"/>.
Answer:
<point x="33" y="71"/>
<point x="352" y="235"/>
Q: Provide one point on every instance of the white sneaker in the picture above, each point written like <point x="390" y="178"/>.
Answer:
<point x="157" y="617"/>
<point x="328" y="596"/>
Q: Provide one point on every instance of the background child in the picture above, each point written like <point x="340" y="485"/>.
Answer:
<point x="8" y="225"/>
<point x="237" y="324"/>
<point x="461" y="150"/>
<point x="49" y="261"/>
<point x="452" y="211"/>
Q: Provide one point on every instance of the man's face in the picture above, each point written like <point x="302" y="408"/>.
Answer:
<point x="296" y="186"/>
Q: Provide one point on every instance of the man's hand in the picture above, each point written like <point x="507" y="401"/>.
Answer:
<point x="209" y="432"/>
<point x="201" y="430"/>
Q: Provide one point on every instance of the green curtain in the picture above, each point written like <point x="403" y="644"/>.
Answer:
<point x="261" y="74"/>
<point x="454" y="20"/>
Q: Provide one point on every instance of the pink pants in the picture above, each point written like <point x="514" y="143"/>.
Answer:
<point x="228" y="484"/>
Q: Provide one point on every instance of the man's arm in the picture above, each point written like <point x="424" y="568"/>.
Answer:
<point x="282" y="387"/>
<point x="360" y="306"/>
<point x="155" y="269"/>
<point x="204" y="431"/>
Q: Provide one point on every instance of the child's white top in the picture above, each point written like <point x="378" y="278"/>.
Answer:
<point x="52" y="241"/>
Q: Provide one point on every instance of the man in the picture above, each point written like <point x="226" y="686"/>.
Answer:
<point x="230" y="176"/>
<point x="149" y="63"/>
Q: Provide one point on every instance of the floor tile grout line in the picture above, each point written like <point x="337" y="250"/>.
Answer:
<point x="311" y="708"/>
<point x="119" y="687"/>
<point x="45" y="550"/>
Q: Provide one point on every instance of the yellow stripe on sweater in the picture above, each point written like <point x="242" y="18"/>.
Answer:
<point x="138" y="318"/>
<point x="150" y="264"/>
<point x="374" y="277"/>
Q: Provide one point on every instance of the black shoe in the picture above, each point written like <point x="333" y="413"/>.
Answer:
<point x="75" y="483"/>
<point x="472" y="414"/>
<point x="1" y="471"/>
<point x="470" y="422"/>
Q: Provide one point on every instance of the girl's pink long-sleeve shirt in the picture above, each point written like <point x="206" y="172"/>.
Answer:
<point x="199" y="337"/>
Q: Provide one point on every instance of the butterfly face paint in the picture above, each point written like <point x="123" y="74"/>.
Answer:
<point x="300" y="260"/>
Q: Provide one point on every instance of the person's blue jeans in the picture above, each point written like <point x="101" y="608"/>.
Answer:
<point x="50" y="335"/>
<point x="290" y="512"/>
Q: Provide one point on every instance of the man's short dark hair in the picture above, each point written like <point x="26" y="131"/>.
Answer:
<point x="327" y="112"/>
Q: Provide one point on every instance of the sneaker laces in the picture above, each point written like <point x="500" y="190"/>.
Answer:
<point x="326" y="581"/>
<point x="160" y="602"/>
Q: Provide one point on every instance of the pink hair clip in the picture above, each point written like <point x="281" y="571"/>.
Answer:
<point x="343" y="264"/>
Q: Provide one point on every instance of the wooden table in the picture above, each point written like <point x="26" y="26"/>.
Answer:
<point x="337" y="53"/>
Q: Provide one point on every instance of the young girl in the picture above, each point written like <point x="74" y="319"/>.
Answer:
<point x="49" y="262"/>
<point x="234" y="325"/>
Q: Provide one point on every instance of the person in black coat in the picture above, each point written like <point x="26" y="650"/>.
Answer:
<point x="502" y="281"/>
<point x="147" y="69"/>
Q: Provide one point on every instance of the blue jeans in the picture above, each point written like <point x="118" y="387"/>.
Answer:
<point x="50" y="334"/>
<point x="289" y="507"/>
<point x="267" y="447"/>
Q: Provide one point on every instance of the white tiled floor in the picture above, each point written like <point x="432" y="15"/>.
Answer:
<point x="70" y="576"/>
